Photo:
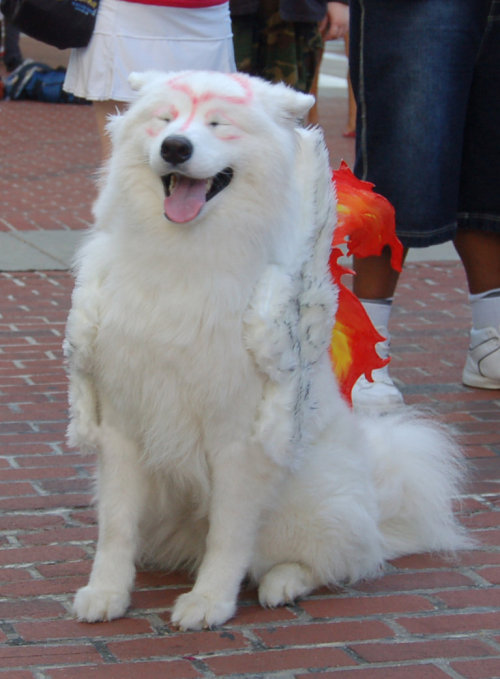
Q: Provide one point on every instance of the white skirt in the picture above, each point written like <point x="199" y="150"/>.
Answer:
<point x="130" y="36"/>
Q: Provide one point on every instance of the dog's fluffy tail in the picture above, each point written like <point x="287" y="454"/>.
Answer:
<point x="419" y="475"/>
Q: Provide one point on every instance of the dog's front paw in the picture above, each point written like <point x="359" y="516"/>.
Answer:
<point x="93" y="604"/>
<point x="285" y="583"/>
<point x="194" y="611"/>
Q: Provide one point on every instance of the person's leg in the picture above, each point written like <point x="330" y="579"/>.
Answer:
<point x="12" y="52"/>
<point x="246" y="42"/>
<point x="290" y="51"/>
<point x="374" y="284"/>
<point x="350" y="130"/>
<point x="480" y="255"/>
<point x="478" y="236"/>
<point x="313" y="116"/>
<point x="411" y="68"/>
<point x="375" y="278"/>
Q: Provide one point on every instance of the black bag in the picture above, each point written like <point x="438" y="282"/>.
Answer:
<point x="61" y="23"/>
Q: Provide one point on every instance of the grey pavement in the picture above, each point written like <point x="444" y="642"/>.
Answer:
<point x="54" y="250"/>
<point x="38" y="250"/>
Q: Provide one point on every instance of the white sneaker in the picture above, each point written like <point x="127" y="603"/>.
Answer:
<point x="482" y="367"/>
<point x="381" y="395"/>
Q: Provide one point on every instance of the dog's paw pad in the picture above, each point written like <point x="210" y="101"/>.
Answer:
<point x="194" y="611"/>
<point x="285" y="583"/>
<point x="93" y="604"/>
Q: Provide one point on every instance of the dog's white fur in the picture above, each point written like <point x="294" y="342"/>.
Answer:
<point x="199" y="370"/>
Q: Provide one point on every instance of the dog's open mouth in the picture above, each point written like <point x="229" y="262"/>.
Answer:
<point x="185" y="196"/>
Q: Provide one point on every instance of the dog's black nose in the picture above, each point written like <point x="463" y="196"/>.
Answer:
<point x="176" y="149"/>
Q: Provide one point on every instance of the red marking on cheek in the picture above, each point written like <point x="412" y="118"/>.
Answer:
<point x="152" y="132"/>
<point x="229" y="137"/>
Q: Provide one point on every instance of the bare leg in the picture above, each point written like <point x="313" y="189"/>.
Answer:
<point x="313" y="118"/>
<point x="375" y="278"/>
<point x="480" y="255"/>
<point x="350" y="130"/>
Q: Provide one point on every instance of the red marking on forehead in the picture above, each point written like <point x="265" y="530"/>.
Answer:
<point x="197" y="100"/>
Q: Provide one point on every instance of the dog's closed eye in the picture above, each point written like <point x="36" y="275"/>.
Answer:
<point x="166" y="114"/>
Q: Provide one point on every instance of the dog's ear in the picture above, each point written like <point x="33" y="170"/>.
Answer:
<point x="296" y="104"/>
<point x="284" y="101"/>
<point x="138" y="80"/>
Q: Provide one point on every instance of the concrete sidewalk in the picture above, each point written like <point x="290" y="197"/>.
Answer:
<point x="54" y="250"/>
<point x="426" y="617"/>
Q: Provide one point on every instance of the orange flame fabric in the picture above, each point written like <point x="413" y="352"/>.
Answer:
<point x="354" y="338"/>
<point x="365" y="219"/>
<point x="366" y="224"/>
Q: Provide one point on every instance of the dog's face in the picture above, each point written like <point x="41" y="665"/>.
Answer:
<point x="202" y="133"/>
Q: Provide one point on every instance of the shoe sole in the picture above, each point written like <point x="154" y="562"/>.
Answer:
<point x="478" y="381"/>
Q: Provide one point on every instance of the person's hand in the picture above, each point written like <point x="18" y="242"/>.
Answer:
<point x="336" y="22"/>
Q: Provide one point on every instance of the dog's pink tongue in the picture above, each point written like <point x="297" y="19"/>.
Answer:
<point x="186" y="200"/>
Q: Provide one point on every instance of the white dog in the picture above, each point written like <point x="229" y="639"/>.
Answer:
<point x="199" y="369"/>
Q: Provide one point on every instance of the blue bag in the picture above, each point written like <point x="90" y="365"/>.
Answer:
<point x="39" y="82"/>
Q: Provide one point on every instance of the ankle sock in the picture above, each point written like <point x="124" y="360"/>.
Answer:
<point x="485" y="308"/>
<point x="379" y="311"/>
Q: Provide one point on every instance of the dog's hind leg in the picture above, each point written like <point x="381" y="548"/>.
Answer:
<point x="121" y="495"/>
<point x="285" y="583"/>
<point x="243" y="478"/>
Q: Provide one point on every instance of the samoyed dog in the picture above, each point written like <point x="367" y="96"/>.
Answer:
<point x="198" y="357"/>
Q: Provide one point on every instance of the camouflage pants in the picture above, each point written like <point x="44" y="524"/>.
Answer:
<point x="277" y="50"/>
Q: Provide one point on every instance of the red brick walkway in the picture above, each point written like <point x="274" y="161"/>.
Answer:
<point x="426" y="618"/>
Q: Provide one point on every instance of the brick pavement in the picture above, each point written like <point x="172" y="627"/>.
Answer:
<point x="426" y="618"/>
